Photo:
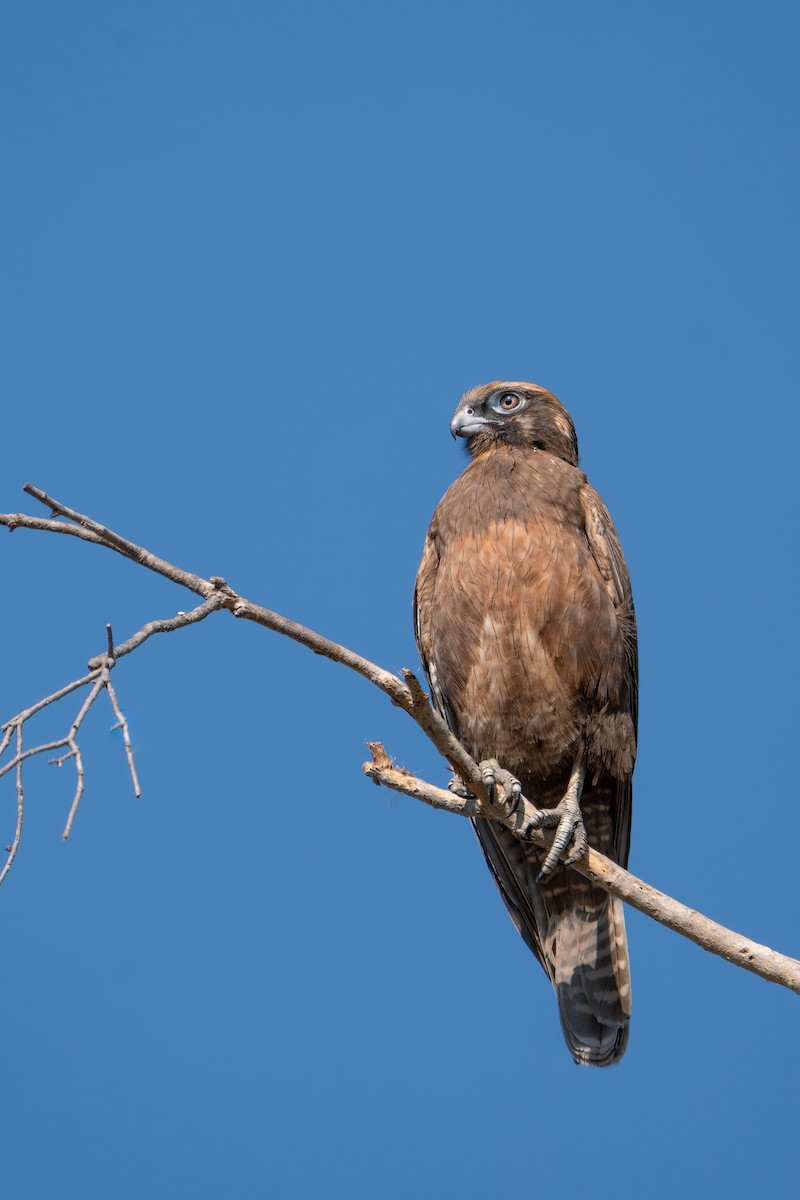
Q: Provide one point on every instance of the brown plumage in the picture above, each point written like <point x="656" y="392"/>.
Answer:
<point x="526" y="629"/>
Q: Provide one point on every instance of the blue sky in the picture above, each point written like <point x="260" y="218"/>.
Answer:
<point x="252" y="256"/>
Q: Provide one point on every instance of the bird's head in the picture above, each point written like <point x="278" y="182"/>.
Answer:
<point x="517" y="414"/>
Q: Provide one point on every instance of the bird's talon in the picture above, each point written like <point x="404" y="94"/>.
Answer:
<point x="577" y="853"/>
<point x="567" y="819"/>
<point x="510" y="789"/>
<point x="489" y="779"/>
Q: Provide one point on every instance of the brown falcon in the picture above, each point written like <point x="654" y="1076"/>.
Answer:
<point x="526" y="630"/>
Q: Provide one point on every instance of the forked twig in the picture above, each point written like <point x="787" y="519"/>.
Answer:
<point x="14" y="846"/>
<point x="126" y="736"/>
<point x="98" y="680"/>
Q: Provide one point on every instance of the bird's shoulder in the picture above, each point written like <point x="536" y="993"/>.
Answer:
<point x="605" y="546"/>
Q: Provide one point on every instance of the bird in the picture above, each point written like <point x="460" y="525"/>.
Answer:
<point x="526" y="630"/>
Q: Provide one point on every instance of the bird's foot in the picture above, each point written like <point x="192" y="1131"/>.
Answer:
<point x="503" y="790"/>
<point x="459" y="788"/>
<point x="567" y="820"/>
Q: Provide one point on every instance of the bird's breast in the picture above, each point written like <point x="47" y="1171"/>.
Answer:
<point x="520" y="621"/>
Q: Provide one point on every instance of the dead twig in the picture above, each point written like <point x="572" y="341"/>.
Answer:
<point x="126" y="736"/>
<point x="98" y="680"/>
<point x="14" y="846"/>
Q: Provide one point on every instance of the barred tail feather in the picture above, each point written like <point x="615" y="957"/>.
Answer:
<point x="577" y="932"/>
<point x="591" y="977"/>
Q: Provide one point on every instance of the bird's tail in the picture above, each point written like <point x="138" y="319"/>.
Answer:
<point x="577" y="931"/>
<point x="587" y="955"/>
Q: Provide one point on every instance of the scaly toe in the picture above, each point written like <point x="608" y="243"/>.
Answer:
<point x="568" y="820"/>
<point x="489" y="769"/>
<point x="502" y="788"/>
<point x="580" y="845"/>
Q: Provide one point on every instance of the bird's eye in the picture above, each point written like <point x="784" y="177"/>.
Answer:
<point x="509" y="401"/>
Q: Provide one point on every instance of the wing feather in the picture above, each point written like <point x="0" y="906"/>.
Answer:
<point x="606" y="550"/>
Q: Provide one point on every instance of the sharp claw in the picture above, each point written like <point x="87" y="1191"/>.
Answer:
<point x="459" y="788"/>
<point x="560" y="842"/>
<point x="493" y="775"/>
<point x="568" y="827"/>
<point x="568" y="822"/>
<point x="580" y="847"/>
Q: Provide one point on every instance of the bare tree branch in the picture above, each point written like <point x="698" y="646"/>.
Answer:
<point x="715" y="938"/>
<point x="518" y="814"/>
<point x="74" y="751"/>
<point x="84" y="526"/>
<point x="168" y="625"/>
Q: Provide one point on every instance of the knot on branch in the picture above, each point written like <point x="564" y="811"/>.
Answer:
<point x="220" y="586"/>
<point x="224" y="596"/>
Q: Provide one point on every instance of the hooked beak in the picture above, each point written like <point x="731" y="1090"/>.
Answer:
<point x="466" y="422"/>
